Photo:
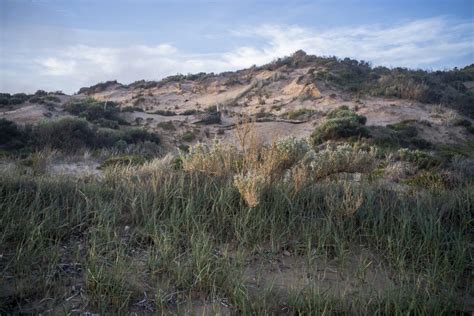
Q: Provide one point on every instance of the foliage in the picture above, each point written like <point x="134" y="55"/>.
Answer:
<point x="340" y="123"/>
<point x="96" y="112"/>
<point x="188" y="136"/>
<point x="11" y="136"/>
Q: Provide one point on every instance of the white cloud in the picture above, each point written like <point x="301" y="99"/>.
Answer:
<point x="420" y="43"/>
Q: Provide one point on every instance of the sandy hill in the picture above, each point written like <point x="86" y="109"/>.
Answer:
<point x="287" y="97"/>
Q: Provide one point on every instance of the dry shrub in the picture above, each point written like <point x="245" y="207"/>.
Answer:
<point x="218" y="159"/>
<point x="250" y="187"/>
<point x="342" y="158"/>
<point x="249" y="142"/>
<point x="398" y="170"/>
<point x="39" y="161"/>
<point x="280" y="156"/>
<point x="346" y="200"/>
<point x="299" y="177"/>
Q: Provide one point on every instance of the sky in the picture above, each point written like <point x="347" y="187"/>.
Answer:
<point x="65" y="45"/>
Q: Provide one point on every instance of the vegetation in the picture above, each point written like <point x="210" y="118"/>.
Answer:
<point x="168" y="126"/>
<point x="206" y="227"/>
<point x="340" y="123"/>
<point x="296" y="114"/>
<point x="69" y="135"/>
<point x="435" y="87"/>
<point x="164" y="112"/>
<point x="7" y="99"/>
<point x="105" y="114"/>
<point x="188" y="136"/>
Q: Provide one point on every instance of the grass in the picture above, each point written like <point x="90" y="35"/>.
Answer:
<point x="156" y="237"/>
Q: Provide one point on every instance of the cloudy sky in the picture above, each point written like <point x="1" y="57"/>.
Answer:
<point x="64" y="45"/>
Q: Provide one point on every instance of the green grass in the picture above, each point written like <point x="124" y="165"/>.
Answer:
<point x="158" y="232"/>
<point x="153" y="238"/>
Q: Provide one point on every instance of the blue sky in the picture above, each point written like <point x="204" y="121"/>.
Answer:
<point x="64" y="45"/>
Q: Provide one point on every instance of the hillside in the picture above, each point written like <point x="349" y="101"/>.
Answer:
<point x="287" y="97"/>
<point x="307" y="186"/>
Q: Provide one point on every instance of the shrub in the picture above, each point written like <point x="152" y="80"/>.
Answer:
<point x="136" y="135"/>
<point x="344" y="112"/>
<point x="421" y="159"/>
<point x="462" y="122"/>
<point x="94" y="111"/>
<point x="188" y="136"/>
<point x="404" y="129"/>
<point x="250" y="187"/>
<point x="17" y="98"/>
<point x="342" y="158"/>
<point x="71" y="134"/>
<point x="190" y="112"/>
<point x="218" y="159"/>
<point x="164" y="113"/>
<point x="427" y="179"/>
<point x="340" y="123"/>
<point x="11" y="136"/>
<point x="168" y="126"/>
<point x="52" y="98"/>
<point x="107" y="123"/>
<point x="295" y="114"/>
<point x="132" y="109"/>
<point x="68" y="134"/>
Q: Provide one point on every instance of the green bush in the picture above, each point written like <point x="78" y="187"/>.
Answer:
<point x="13" y="99"/>
<point x="71" y="134"/>
<point x="168" y="126"/>
<point x="68" y="134"/>
<point x="95" y="111"/>
<point x="421" y="159"/>
<point x="11" y="136"/>
<point x="137" y="135"/>
<point x="164" y="113"/>
<point x="404" y="129"/>
<point x="190" y="112"/>
<point x="188" y="136"/>
<point x="344" y="112"/>
<point x="340" y="123"/>
<point x="295" y="114"/>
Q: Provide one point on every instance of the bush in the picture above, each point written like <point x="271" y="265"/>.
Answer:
<point x="344" y="112"/>
<point x="71" y="134"/>
<point x="137" y="135"/>
<point x="295" y="114"/>
<point x="190" y="112"/>
<point x="164" y="113"/>
<point x="17" y="98"/>
<point x="340" y="123"/>
<point x="168" y="126"/>
<point x="68" y="134"/>
<point x="404" y="130"/>
<point x="94" y="111"/>
<point x="11" y="137"/>
<point x="421" y="159"/>
<point x="343" y="158"/>
<point x="188" y="136"/>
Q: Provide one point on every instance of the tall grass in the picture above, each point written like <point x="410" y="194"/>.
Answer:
<point x="155" y="237"/>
